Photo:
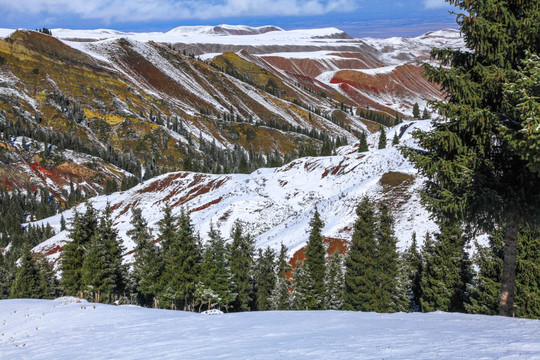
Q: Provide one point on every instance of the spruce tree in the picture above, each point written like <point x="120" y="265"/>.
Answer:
<point x="382" y="138"/>
<point x="363" y="145"/>
<point x="265" y="279"/>
<point x="182" y="260"/>
<point x="361" y="287"/>
<point x="395" y="139"/>
<point x="447" y="272"/>
<point x="216" y="287"/>
<point x="335" y="282"/>
<point x="27" y="282"/>
<point x="281" y="296"/>
<point x="49" y="284"/>
<point x="114" y="251"/>
<point x="302" y="287"/>
<point x="315" y="264"/>
<point x="240" y="256"/>
<point x="416" y="111"/>
<point x="83" y="228"/>
<point x="477" y="162"/>
<point x="148" y="261"/>
<point x="412" y="271"/>
<point x="426" y="115"/>
<point x="386" y="262"/>
<point x="95" y="274"/>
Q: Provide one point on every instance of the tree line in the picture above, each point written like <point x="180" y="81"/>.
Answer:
<point x="232" y="275"/>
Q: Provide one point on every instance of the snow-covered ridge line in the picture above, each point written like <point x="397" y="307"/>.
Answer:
<point x="276" y="205"/>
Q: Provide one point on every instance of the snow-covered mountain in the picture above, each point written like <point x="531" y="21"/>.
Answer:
<point x="69" y="328"/>
<point x="276" y="205"/>
<point x="158" y="98"/>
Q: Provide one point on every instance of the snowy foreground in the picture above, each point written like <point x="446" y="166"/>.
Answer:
<point x="62" y="328"/>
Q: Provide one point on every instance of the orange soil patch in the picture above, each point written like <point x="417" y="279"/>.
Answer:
<point x="207" y="205"/>
<point x="42" y="170"/>
<point x="331" y="244"/>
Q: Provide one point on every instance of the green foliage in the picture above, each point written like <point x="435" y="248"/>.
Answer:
<point x="303" y="288"/>
<point x="94" y="273"/>
<point x="182" y="257"/>
<point x="412" y="272"/>
<point x="240" y="256"/>
<point x="360" y="265"/>
<point x="103" y="274"/>
<point x="216" y="287"/>
<point x="485" y="295"/>
<point x="476" y="161"/>
<point x="395" y="139"/>
<point x="281" y="296"/>
<point x="334" y="282"/>
<point x="386" y="262"/>
<point x="363" y="145"/>
<point x="447" y="272"/>
<point x="371" y="266"/>
<point x="265" y="279"/>
<point x="522" y="107"/>
<point x="315" y="264"/>
<point x="148" y="261"/>
<point x="27" y="282"/>
<point x="382" y="138"/>
<point x="83" y="229"/>
<point x="416" y="111"/>
<point x="426" y="115"/>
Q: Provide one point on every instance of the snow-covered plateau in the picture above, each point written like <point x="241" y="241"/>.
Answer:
<point x="67" y="329"/>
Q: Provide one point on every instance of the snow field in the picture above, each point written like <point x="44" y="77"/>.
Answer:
<point x="53" y="329"/>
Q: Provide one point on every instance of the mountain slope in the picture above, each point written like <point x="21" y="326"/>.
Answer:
<point x="276" y="205"/>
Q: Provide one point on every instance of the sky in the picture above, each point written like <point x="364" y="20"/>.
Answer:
<point x="378" y="18"/>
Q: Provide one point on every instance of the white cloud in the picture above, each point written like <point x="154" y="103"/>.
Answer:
<point x="435" y="4"/>
<point x="148" y="10"/>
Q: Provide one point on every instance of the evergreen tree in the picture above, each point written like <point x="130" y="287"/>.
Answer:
<point x="281" y="297"/>
<point x="182" y="260"/>
<point x="148" y="262"/>
<point x="103" y="274"/>
<point x="265" y="279"/>
<point x="386" y="263"/>
<point x="62" y="223"/>
<point x="335" y="282"/>
<point x="83" y="228"/>
<point x="315" y="264"/>
<point x="395" y="139"/>
<point x="478" y="165"/>
<point x="216" y="287"/>
<point x="49" y="284"/>
<point x="303" y="287"/>
<point x="114" y="251"/>
<point x="27" y="282"/>
<point x="95" y="276"/>
<point x="382" y="138"/>
<point x="240" y="257"/>
<point x="167" y="229"/>
<point x="363" y="145"/>
<point x="426" y="115"/>
<point x="361" y="287"/>
<point x="412" y="271"/>
<point x="447" y="272"/>
<point x="416" y="111"/>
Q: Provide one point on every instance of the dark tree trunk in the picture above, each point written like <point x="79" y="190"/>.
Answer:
<point x="506" y="301"/>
